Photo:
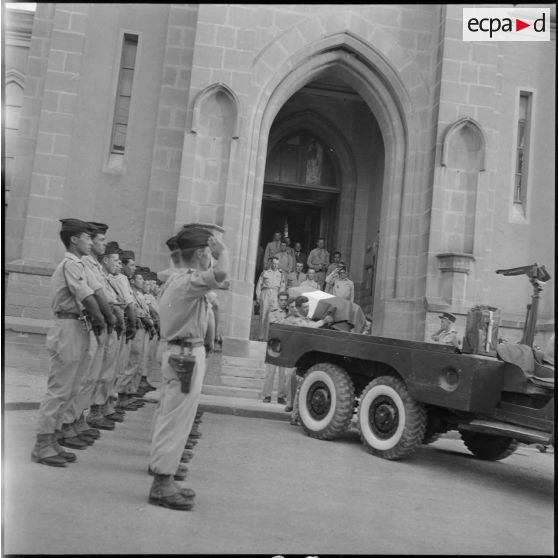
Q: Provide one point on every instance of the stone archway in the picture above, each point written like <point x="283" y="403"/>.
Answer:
<point x="380" y="86"/>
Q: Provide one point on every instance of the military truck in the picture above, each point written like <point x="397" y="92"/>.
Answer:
<point x="407" y="393"/>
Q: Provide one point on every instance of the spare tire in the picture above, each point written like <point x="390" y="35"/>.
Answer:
<point x="488" y="446"/>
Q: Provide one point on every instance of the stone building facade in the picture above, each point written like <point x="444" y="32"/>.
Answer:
<point x="373" y="126"/>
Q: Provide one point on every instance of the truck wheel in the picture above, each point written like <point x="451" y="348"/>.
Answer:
<point x="326" y="401"/>
<point x="488" y="446"/>
<point x="390" y="421"/>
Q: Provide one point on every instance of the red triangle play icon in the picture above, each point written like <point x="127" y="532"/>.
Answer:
<point x="519" y="25"/>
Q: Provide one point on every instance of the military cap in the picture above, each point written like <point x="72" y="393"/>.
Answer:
<point x="112" y="248"/>
<point x="171" y="243"/>
<point x="447" y="316"/>
<point x="192" y="237"/>
<point x="209" y="226"/>
<point x="76" y="226"/>
<point x="127" y="255"/>
<point x="99" y="228"/>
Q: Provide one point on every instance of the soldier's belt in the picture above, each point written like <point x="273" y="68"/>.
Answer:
<point x="67" y="316"/>
<point x="187" y="342"/>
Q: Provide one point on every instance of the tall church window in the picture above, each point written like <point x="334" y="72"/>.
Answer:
<point x="13" y="100"/>
<point x="124" y="93"/>
<point x="522" y="149"/>
<point x="301" y="160"/>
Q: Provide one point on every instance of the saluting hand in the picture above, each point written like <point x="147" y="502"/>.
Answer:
<point x="216" y="246"/>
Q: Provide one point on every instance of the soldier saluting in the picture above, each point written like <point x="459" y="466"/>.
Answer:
<point x="184" y="319"/>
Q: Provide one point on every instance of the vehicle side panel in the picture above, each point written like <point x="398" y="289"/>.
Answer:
<point x="434" y="374"/>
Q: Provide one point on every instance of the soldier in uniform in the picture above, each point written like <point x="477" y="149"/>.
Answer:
<point x="285" y="260"/>
<point x="151" y="343"/>
<point x="318" y="259"/>
<point x="299" y="255"/>
<point x="310" y="280"/>
<point x="98" y="344"/>
<point x="122" y="283"/>
<point x="447" y="334"/>
<point x="102" y="400"/>
<point x="76" y="432"/>
<point x="341" y="285"/>
<point x="183" y="307"/>
<point x="272" y="247"/>
<point x="269" y="284"/>
<point x="145" y="329"/>
<point x="276" y="315"/>
<point x="67" y="341"/>
<point x="332" y="267"/>
<point x="295" y="278"/>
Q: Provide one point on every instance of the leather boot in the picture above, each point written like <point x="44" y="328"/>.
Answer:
<point x="100" y="422"/>
<point x="70" y="439"/>
<point x="186" y="456"/>
<point x="67" y="455"/>
<point x="191" y="444"/>
<point x="180" y="474"/>
<point x="45" y="453"/>
<point x="81" y="427"/>
<point x="166" y="493"/>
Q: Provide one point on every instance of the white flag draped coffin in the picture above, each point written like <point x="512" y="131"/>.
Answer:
<point x="348" y="315"/>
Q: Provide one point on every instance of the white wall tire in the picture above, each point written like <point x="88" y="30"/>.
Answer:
<point x="391" y="422"/>
<point x="326" y="401"/>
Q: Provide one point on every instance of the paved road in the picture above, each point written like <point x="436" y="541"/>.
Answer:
<point x="264" y="487"/>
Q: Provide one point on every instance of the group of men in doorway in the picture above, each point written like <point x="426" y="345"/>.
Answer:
<point x="109" y="316"/>
<point x="288" y="267"/>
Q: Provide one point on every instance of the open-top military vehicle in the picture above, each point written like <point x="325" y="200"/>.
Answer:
<point x="407" y="393"/>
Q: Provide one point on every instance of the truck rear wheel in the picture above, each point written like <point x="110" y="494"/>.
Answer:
<point x="488" y="446"/>
<point x="326" y="401"/>
<point x="391" y="422"/>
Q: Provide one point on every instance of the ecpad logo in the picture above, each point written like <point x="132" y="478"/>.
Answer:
<point x="506" y="24"/>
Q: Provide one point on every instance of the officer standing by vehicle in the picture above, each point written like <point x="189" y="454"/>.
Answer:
<point x="184" y="315"/>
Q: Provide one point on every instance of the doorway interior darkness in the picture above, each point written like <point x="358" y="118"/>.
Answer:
<point x="302" y="213"/>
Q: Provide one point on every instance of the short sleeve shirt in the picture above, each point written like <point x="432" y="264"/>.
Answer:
<point x="68" y="285"/>
<point x="183" y="304"/>
<point x="96" y="277"/>
<point x="92" y="272"/>
<point x="122" y="285"/>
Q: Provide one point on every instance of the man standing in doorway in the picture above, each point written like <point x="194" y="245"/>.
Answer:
<point x="295" y="278"/>
<point x="276" y="316"/>
<point x="299" y="255"/>
<point x="318" y="259"/>
<point x="269" y="284"/>
<point x="272" y="247"/>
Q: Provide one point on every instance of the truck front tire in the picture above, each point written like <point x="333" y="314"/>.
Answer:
<point x="488" y="446"/>
<point x="391" y="422"/>
<point x="326" y="401"/>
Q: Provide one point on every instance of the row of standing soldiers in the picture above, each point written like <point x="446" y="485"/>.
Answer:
<point x="109" y="316"/>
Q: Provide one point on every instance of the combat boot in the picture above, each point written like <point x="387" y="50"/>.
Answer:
<point x="45" y="453"/>
<point x="70" y="439"/>
<point x="195" y="433"/>
<point x="187" y="455"/>
<point x="166" y="493"/>
<point x="180" y="474"/>
<point x="97" y="420"/>
<point x="67" y="455"/>
<point x="191" y="444"/>
<point x="82" y="428"/>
